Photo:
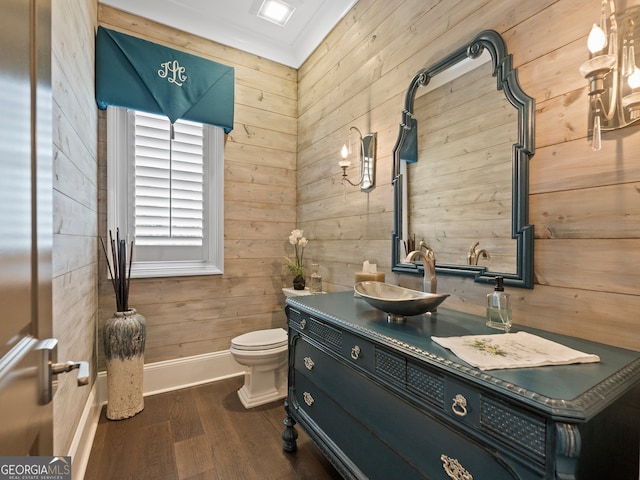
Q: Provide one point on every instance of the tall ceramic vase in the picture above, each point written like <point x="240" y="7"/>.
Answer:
<point x="124" y="339"/>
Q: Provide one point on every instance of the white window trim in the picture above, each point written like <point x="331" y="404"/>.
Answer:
<point x="118" y="202"/>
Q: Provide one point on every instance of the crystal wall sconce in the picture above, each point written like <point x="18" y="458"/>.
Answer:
<point x="366" y="151"/>
<point x="614" y="78"/>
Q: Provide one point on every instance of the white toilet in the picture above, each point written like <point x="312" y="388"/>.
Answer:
<point x="264" y="354"/>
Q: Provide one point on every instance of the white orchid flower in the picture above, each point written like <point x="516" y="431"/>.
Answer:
<point x="297" y="240"/>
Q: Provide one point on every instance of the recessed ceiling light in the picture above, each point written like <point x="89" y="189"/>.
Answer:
<point x="276" y="11"/>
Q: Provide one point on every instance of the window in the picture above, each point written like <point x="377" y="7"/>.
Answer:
<point x="166" y="192"/>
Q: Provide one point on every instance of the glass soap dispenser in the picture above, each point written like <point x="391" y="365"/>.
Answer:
<point x="316" y="280"/>
<point x="499" y="307"/>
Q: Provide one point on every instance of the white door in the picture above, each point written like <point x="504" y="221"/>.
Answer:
<point x="25" y="223"/>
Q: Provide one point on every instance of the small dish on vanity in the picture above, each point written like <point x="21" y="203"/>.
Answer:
<point x="398" y="302"/>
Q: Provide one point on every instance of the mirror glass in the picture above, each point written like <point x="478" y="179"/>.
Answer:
<point x="461" y="167"/>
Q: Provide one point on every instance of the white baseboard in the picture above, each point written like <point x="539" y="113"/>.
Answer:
<point x="80" y="448"/>
<point x="181" y="373"/>
<point x="158" y="377"/>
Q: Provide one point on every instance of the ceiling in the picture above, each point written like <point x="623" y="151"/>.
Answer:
<point x="230" y="23"/>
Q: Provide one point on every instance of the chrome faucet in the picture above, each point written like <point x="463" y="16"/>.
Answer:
<point x="474" y="255"/>
<point x="430" y="283"/>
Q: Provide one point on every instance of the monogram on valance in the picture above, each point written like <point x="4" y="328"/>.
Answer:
<point x="142" y="75"/>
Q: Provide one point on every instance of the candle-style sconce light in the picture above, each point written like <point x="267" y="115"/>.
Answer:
<point x="614" y="79"/>
<point x="365" y="150"/>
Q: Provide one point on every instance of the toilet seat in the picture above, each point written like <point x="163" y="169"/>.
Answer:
<point x="260" y="340"/>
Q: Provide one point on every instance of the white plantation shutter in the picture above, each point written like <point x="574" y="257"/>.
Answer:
<point x="168" y="182"/>
<point x="166" y="193"/>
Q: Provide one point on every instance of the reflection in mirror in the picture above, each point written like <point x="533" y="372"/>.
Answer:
<point x="461" y="167"/>
<point x="459" y="193"/>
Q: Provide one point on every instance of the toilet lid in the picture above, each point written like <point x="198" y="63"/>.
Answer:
<point x="261" y="339"/>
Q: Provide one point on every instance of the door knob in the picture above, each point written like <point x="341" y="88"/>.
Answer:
<point x="48" y="368"/>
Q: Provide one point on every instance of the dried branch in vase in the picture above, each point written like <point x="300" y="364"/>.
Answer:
<point x="119" y="268"/>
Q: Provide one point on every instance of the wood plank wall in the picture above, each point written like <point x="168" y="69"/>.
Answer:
<point x="281" y="164"/>
<point x="196" y="315"/>
<point x="75" y="205"/>
<point x="584" y="204"/>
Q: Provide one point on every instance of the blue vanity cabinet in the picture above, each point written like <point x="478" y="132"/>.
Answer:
<point x="383" y="401"/>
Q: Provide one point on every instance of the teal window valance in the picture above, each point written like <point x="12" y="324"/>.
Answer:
<point x="142" y="75"/>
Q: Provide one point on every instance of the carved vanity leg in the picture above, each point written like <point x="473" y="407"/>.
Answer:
<point x="568" y="446"/>
<point x="289" y="434"/>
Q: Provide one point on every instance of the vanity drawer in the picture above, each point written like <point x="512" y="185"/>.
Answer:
<point x="462" y="403"/>
<point x="410" y="434"/>
<point x="313" y="363"/>
<point x="352" y="348"/>
<point x="357" y="351"/>
<point x="518" y="432"/>
<point x="328" y="420"/>
<point x="327" y="371"/>
<point x="307" y="324"/>
<point x="514" y="428"/>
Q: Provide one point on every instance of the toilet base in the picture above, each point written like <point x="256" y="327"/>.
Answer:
<point x="250" y="401"/>
<point x="262" y="387"/>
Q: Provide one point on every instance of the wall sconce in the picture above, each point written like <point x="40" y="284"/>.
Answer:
<point x="612" y="72"/>
<point x="367" y="160"/>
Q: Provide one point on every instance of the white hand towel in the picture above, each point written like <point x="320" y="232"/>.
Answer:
<point x="512" y="350"/>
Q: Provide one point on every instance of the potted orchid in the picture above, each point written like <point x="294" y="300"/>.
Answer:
<point x="296" y="267"/>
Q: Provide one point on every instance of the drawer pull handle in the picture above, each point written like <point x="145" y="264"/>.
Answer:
<point x="355" y="352"/>
<point x="308" y="363"/>
<point x="303" y="324"/>
<point x="453" y="469"/>
<point x="459" y="406"/>
<point x="308" y="399"/>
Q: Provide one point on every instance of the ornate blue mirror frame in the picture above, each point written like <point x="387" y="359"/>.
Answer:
<point x="522" y="151"/>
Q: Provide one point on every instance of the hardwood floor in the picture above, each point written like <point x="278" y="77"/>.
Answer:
<point x="200" y="433"/>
